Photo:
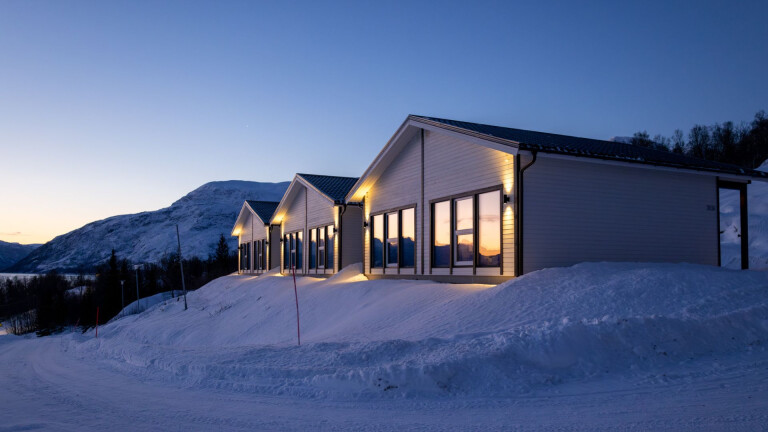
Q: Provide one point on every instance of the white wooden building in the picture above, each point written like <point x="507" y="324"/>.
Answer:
<point x="258" y="241"/>
<point x="467" y="202"/>
<point x="320" y="232"/>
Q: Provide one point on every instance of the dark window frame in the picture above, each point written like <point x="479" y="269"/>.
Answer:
<point x="452" y="199"/>
<point x="326" y="229"/>
<point x="385" y="213"/>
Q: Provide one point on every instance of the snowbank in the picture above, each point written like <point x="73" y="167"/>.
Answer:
<point x="404" y="338"/>
<point x="730" y="225"/>
<point x="146" y="303"/>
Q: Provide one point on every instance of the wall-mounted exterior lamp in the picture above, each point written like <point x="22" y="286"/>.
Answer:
<point x="365" y="224"/>
<point x="506" y="199"/>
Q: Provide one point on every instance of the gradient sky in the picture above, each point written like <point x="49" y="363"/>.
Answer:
<point x="119" y="107"/>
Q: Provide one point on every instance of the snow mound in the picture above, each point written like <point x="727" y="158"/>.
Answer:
<point x="384" y="338"/>
<point x="730" y="225"/>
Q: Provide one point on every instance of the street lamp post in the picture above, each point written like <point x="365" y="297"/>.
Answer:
<point x="136" y="267"/>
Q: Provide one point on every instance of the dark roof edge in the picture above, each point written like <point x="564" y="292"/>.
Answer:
<point x="736" y="170"/>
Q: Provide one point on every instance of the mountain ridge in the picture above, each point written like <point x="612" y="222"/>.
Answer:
<point x="202" y="215"/>
<point x="11" y="253"/>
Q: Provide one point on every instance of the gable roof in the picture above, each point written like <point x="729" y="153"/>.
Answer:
<point x="335" y="188"/>
<point x="510" y="140"/>
<point x="263" y="209"/>
<point x="585" y="147"/>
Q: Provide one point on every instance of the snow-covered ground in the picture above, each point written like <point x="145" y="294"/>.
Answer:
<point x="602" y="346"/>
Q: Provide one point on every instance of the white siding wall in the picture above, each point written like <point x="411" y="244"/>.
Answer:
<point x="320" y="212"/>
<point x="274" y="249"/>
<point x="578" y="211"/>
<point x="295" y="215"/>
<point x="352" y="237"/>
<point x="400" y="185"/>
<point x="295" y="220"/>
<point x="453" y="166"/>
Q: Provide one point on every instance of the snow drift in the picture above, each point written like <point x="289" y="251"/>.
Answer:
<point x="407" y="338"/>
<point x="730" y="225"/>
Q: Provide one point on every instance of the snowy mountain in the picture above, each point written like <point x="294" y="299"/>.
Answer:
<point x="202" y="215"/>
<point x="11" y="253"/>
<point x="730" y="225"/>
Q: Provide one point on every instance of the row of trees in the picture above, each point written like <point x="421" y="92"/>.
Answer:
<point x="51" y="302"/>
<point x="745" y="144"/>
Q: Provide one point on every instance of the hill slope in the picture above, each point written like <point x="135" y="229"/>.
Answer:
<point x="202" y="215"/>
<point x="11" y="253"/>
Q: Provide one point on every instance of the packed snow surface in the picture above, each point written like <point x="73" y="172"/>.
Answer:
<point x="598" y="346"/>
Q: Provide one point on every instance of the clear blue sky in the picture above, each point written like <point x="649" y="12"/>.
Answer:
<point x="116" y="107"/>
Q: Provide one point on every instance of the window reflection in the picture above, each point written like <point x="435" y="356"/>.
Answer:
<point x="392" y="229"/>
<point x="312" y="248"/>
<point x="329" y="247"/>
<point x="489" y="229"/>
<point x="408" y="238"/>
<point x="441" y="244"/>
<point x="378" y="241"/>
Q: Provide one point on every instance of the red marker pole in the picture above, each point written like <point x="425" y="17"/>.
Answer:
<point x="97" y="321"/>
<point x="296" y="295"/>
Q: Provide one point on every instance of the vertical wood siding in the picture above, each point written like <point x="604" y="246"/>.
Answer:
<point x="453" y="166"/>
<point x="400" y="185"/>
<point x="578" y="211"/>
<point x="352" y="237"/>
<point x="320" y="210"/>
<point x="275" y="256"/>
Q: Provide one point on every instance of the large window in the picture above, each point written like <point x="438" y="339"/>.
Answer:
<point x="393" y="239"/>
<point x="469" y="226"/>
<point x="408" y="238"/>
<point x="313" y="248"/>
<point x="489" y="229"/>
<point x="441" y="244"/>
<point x="259" y="255"/>
<point x="329" y="247"/>
<point x="377" y="242"/>
<point x="321" y="247"/>
<point x="392" y="236"/>
<point x="286" y="253"/>
<point x="299" y="250"/>
<point x="292" y="251"/>
<point x="464" y="237"/>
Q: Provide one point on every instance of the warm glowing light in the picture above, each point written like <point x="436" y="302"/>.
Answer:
<point x="236" y="232"/>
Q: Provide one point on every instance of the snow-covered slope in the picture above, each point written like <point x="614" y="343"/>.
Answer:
<point x="418" y="338"/>
<point x="202" y="215"/>
<point x="11" y="253"/>
<point x="730" y="225"/>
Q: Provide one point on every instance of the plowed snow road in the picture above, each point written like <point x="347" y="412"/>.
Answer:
<point x="46" y="386"/>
